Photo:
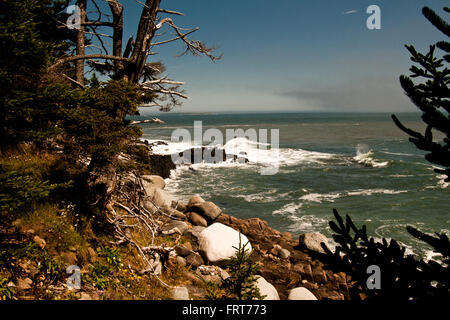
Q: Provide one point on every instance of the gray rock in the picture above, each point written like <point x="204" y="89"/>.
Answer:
<point x="182" y="250"/>
<point x="155" y="181"/>
<point x="180" y="225"/>
<point x="180" y="293"/>
<point x="276" y="249"/>
<point x="311" y="241"/>
<point x="157" y="268"/>
<point x="207" y="210"/>
<point x="162" y="199"/>
<point x="194" y="260"/>
<point x="194" y="232"/>
<point x="175" y="214"/>
<point x="284" y="254"/>
<point x="195" y="200"/>
<point x="214" y="271"/>
<point x="196" y="219"/>
<point x="301" y="293"/>
<point x="180" y="206"/>
<point x="149" y="206"/>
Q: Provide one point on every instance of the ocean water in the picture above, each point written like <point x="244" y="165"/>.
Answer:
<point x="360" y="164"/>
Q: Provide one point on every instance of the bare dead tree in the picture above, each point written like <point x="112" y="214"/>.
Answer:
<point x="81" y="46"/>
<point x="130" y="64"/>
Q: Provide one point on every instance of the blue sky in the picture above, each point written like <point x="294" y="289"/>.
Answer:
<point x="295" y="55"/>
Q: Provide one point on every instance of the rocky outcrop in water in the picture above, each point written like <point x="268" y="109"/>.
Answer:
<point x="161" y="165"/>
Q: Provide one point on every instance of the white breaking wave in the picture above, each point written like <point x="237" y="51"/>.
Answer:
<point x="262" y="153"/>
<point x="369" y="192"/>
<point x="317" y="197"/>
<point x="401" y="154"/>
<point x="170" y="148"/>
<point x="255" y="152"/>
<point x="401" y="175"/>
<point x="442" y="182"/>
<point x="364" y="155"/>
<point x="307" y="223"/>
<point x="290" y="208"/>
<point x="332" y="196"/>
<point x="264" y="197"/>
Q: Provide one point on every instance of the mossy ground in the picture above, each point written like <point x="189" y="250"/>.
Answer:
<point x="108" y="271"/>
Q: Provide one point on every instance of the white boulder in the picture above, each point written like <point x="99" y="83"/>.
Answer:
<point x="267" y="289"/>
<point x="301" y="293"/>
<point x="217" y="242"/>
<point x="162" y="199"/>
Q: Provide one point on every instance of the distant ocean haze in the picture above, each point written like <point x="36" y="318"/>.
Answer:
<point x="359" y="163"/>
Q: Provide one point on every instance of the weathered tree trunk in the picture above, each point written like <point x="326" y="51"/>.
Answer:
<point x="117" y="11"/>
<point x="102" y="177"/>
<point x="81" y="46"/>
<point x="145" y="34"/>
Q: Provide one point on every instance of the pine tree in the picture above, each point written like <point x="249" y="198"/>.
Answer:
<point x="242" y="282"/>
<point x="431" y="96"/>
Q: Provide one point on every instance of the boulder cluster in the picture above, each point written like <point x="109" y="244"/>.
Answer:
<point x="288" y="269"/>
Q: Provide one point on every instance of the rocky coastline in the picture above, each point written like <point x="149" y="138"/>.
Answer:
<point x="290" y="268"/>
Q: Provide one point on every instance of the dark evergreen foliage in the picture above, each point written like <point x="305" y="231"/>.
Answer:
<point x="432" y="96"/>
<point x="29" y="42"/>
<point x="403" y="277"/>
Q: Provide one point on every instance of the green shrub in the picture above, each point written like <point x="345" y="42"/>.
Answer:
<point x="241" y="284"/>
<point x="99" y="276"/>
<point x="20" y="191"/>
<point x="52" y="267"/>
<point x="6" y="293"/>
<point x="112" y="256"/>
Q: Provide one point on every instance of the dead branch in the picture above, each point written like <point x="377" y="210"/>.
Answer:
<point x="174" y="39"/>
<point x="162" y="80"/>
<point x="195" y="47"/>
<point x="171" y="12"/>
<point x="169" y="92"/>
<point x="85" y="57"/>
<point x="74" y="81"/>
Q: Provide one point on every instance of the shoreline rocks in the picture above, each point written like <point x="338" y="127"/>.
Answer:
<point x="312" y="241"/>
<point x="207" y="210"/>
<point x="213" y="235"/>
<point x="218" y="243"/>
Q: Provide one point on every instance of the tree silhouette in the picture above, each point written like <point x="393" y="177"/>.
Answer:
<point x="431" y="96"/>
